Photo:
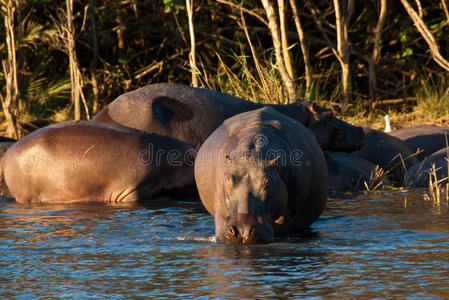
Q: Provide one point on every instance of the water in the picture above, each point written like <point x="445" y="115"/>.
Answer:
<point x="389" y="244"/>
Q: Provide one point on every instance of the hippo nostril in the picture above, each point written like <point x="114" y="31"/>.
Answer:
<point x="233" y="230"/>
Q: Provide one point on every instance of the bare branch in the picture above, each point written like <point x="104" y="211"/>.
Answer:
<point x="427" y="35"/>
<point x="248" y="11"/>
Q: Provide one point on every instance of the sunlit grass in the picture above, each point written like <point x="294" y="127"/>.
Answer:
<point x="438" y="190"/>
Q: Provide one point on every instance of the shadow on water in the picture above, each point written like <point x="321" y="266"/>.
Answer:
<point x="386" y="244"/>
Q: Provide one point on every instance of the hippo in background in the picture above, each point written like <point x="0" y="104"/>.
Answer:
<point x="192" y="114"/>
<point x="419" y="173"/>
<point x="386" y="151"/>
<point x="5" y="143"/>
<point x="428" y="138"/>
<point x="347" y="172"/>
<point x="261" y="174"/>
<point x="93" y="162"/>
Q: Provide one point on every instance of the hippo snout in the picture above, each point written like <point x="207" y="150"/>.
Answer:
<point x="248" y="233"/>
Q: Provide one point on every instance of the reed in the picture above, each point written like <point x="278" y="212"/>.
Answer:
<point x="438" y="190"/>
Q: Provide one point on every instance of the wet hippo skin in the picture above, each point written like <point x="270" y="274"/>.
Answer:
<point x="192" y="114"/>
<point x="5" y="143"/>
<point x="419" y="173"/>
<point x="347" y="172"/>
<point x="94" y="162"/>
<point x="427" y="138"/>
<point x="261" y="174"/>
<point x="383" y="150"/>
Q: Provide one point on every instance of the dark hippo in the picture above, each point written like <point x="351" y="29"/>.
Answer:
<point x="5" y="143"/>
<point x="88" y="162"/>
<point x="428" y="138"/>
<point x="261" y="174"/>
<point x="419" y="173"/>
<point x="347" y="172"/>
<point x="192" y="114"/>
<point x="383" y="150"/>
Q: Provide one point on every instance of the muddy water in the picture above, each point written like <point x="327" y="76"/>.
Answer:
<point x="389" y="244"/>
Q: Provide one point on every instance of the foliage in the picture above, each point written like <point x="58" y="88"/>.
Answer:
<point x="143" y="42"/>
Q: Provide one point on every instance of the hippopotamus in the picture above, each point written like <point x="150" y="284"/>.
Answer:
<point x="347" y="172"/>
<point x="261" y="174"/>
<point x="419" y="173"/>
<point x="5" y="143"/>
<point x="427" y="138"/>
<point x="192" y="114"/>
<point x="94" y="162"/>
<point x="386" y="151"/>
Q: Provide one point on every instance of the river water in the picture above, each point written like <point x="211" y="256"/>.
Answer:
<point x="386" y="244"/>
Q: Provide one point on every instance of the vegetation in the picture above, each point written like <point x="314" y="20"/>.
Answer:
<point x="67" y="59"/>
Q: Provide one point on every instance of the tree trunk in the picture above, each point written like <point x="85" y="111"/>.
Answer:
<point x="75" y="73"/>
<point x="192" y="54"/>
<point x="94" y="62"/>
<point x="276" y="36"/>
<point x="342" y="18"/>
<point x="304" y="49"/>
<point x="374" y="60"/>
<point x="10" y="71"/>
<point x="284" y="41"/>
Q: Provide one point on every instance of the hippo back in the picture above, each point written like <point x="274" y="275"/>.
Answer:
<point x="428" y="138"/>
<point x="419" y="173"/>
<point x="386" y="151"/>
<point x="180" y="111"/>
<point x="347" y="172"/>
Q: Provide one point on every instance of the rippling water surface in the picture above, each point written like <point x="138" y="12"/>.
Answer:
<point x="374" y="245"/>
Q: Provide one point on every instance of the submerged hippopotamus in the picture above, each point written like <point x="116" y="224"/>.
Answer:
<point x="261" y="174"/>
<point x="192" y="114"/>
<point x="347" y="172"/>
<point x="388" y="152"/>
<point x="420" y="172"/>
<point x="87" y="162"/>
<point x="428" y="138"/>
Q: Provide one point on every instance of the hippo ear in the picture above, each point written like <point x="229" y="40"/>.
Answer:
<point x="275" y="162"/>
<point x="168" y="110"/>
<point x="229" y="181"/>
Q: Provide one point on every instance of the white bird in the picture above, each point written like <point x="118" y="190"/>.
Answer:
<point x="387" y="124"/>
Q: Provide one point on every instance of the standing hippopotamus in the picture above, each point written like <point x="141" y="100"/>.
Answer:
<point x="428" y="138"/>
<point x="386" y="151"/>
<point x="192" y="114"/>
<point x="347" y="172"/>
<point x="261" y="174"/>
<point x="88" y="162"/>
<point x="419" y="173"/>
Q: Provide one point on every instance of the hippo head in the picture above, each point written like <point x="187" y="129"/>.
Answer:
<point x="332" y="133"/>
<point x="254" y="196"/>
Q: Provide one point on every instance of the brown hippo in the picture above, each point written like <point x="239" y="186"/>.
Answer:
<point x="419" y="173"/>
<point x="5" y="143"/>
<point x="87" y="162"/>
<point x="428" y="138"/>
<point x="192" y="114"/>
<point x="386" y="151"/>
<point x="261" y="174"/>
<point x="347" y="172"/>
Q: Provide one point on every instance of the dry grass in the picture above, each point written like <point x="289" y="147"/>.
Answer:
<point x="438" y="190"/>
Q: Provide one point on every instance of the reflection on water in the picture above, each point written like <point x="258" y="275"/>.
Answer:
<point x="374" y="245"/>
